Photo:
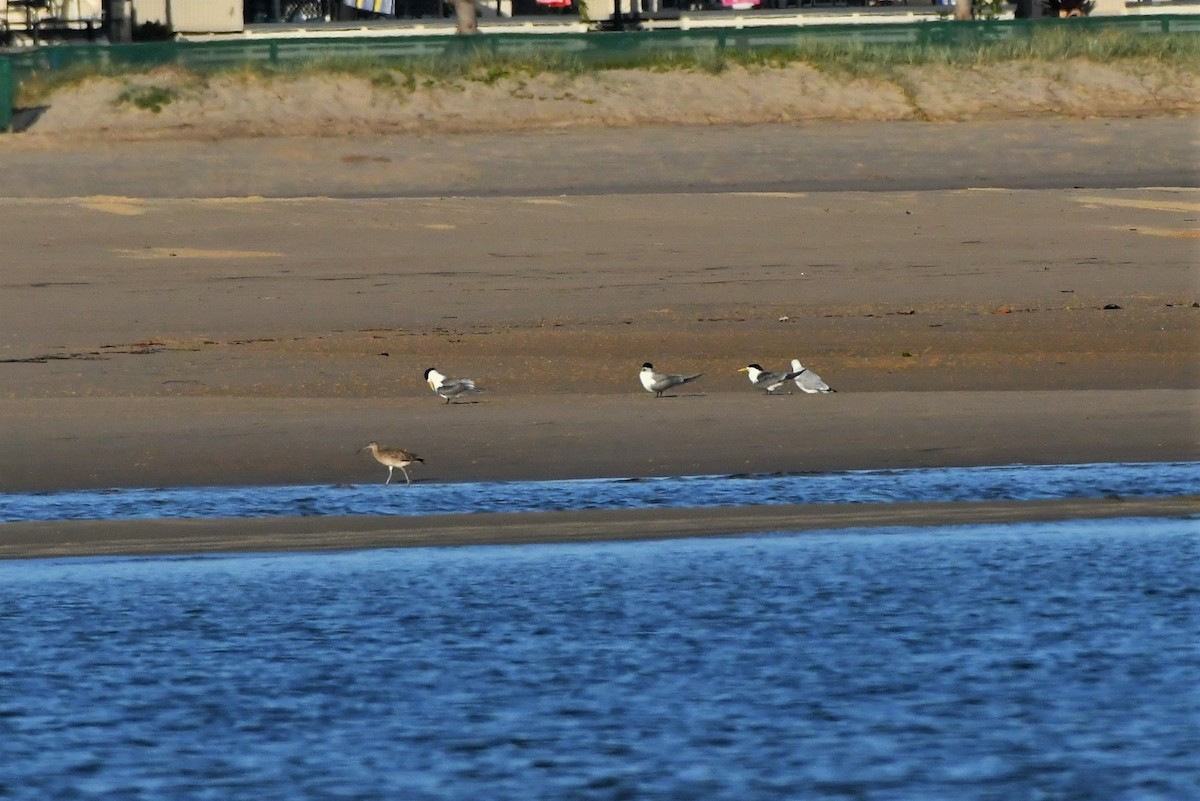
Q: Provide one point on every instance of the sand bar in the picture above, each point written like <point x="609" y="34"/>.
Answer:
<point x="165" y="537"/>
<point x="199" y="311"/>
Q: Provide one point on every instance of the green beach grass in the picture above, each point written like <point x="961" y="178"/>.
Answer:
<point x="1051" y="44"/>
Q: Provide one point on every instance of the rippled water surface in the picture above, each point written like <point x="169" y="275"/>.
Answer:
<point x="1014" y="482"/>
<point x="1033" y="661"/>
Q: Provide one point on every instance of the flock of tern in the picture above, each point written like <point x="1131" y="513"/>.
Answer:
<point x="652" y="380"/>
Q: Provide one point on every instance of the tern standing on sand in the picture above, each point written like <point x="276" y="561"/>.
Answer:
<point x="658" y="383"/>
<point x="450" y="388"/>
<point x="765" y="380"/>
<point x="808" y="381"/>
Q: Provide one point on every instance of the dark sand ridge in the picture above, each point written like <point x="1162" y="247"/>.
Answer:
<point x="164" y="537"/>
<point x="1048" y="152"/>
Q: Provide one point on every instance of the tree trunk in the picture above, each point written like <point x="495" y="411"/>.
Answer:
<point x="962" y="9"/>
<point x="464" y="13"/>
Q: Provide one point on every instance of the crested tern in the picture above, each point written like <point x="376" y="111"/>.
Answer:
<point x="765" y="380"/>
<point x="808" y="381"/>
<point x="658" y="383"/>
<point x="450" y="388"/>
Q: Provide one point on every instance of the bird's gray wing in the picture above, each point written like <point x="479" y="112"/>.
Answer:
<point x="676" y="380"/>
<point x="659" y="381"/>
<point x="767" y="379"/>
<point x="667" y="380"/>
<point x="456" y="386"/>
<point x="811" y="381"/>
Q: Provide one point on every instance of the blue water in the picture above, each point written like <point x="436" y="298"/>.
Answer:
<point x="1031" y="661"/>
<point x="1014" y="482"/>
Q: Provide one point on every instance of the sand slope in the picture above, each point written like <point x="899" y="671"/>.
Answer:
<point x="239" y="105"/>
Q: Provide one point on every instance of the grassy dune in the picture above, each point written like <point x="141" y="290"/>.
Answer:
<point x="1049" y="45"/>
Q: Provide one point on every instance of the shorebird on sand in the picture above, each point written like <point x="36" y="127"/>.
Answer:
<point x="808" y="381"/>
<point x="658" y="383"/>
<point x="450" y="388"/>
<point x="391" y="458"/>
<point x="765" y="380"/>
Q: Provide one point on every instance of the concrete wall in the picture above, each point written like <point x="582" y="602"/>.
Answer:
<point x="70" y="10"/>
<point x="192" y="16"/>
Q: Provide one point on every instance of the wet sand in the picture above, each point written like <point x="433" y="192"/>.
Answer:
<point x="115" y="442"/>
<point x="173" y="537"/>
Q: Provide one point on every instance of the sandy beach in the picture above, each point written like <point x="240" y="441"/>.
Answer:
<point x="233" y="341"/>
<point x="168" y="321"/>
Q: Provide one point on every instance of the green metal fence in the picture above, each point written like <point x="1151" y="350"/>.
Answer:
<point x="597" y="49"/>
<point x="7" y="89"/>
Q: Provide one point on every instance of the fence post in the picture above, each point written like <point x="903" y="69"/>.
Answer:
<point x="7" y="94"/>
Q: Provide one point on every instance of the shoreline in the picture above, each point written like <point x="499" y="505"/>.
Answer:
<point x="148" y="538"/>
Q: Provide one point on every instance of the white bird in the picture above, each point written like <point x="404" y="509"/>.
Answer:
<point x="766" y="380"/>
<point x="450" y="388"/>
<point x="391" y="458"/>
<point x="658" y="383"/>
<point x="808" y="381"/>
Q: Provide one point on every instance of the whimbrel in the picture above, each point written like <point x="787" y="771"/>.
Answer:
<point x="392" y="457"/>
